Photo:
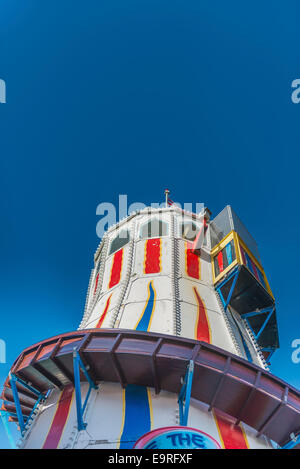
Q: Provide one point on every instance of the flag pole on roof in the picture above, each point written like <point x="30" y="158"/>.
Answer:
<point x="167" y="192"/>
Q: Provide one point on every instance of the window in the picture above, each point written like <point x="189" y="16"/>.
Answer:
<point x="189" y="231"/>
<point x="121" y="240"/>
<point x="224" y="258"/>
<point x="154" y="228"/>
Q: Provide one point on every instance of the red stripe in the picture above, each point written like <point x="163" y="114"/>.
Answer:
<point x="102" y="317"/>
<point x="255" y="271"/>
<point x="202" y="328"/>
<point x="60" y="419"/>
<point x="192" y="262"/>
<point x="232" y="435"/>
<point x="96" y="283"/>
<point x="220" y="261"/>
<point x="116" y="269"/>
<point x="243" y="256"/>
<point x="152" y="256"/>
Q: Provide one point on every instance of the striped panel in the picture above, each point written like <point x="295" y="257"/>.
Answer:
<point x="152" y="263"/>
<point x="145" y="319"/>
<point x="60" y="418"/>
<point x="137" y="415"/>
<point x="116" y="269"/>
<point x="103" y="315"/>
<point x="192" y="262"/>
<point x="232" y="436"/>
<point x="202" y="328"/>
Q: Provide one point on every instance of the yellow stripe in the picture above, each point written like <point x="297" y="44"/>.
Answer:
<point x="245" y="436"/>
<point x="123" y="418"/>
<point x="150" y="408"/>
<point x="217" y="425"/>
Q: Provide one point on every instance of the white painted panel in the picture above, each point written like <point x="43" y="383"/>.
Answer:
<point x="200" y="418"/>
<point x="164" y="409"/>
<point x="105" y="418"/>
<point x="101" y="305"/>
<point x="188" y="305"/>
<point x="41" y="425"/>
<point x="138" y="290"/>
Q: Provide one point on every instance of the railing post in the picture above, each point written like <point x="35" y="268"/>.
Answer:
<point x="14" y="389"/>
<point x="185" y="394"/>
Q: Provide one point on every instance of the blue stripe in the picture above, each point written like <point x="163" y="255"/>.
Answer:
<point x="137" y="420"/>
<point x="145" y="319"/>
<point x="249" y="264"/>
<point x="229" y="253"/>
<point x="261" y="278"/>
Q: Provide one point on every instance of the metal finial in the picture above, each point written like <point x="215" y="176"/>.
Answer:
<point x="167" y="192"/>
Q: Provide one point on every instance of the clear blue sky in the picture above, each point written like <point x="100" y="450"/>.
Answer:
<point x="129" y="97"/>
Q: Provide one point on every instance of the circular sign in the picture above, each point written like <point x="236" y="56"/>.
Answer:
<point x="176" y="438"/>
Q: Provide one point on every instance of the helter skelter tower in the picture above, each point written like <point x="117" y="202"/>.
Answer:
<point x="172" y="350"/>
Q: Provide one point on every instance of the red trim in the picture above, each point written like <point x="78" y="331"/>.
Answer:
<point x="103" y="315"/>
<point x="192" y="262"/>
<point x="255" y="270"/>
<point x="116" y="269"/>
<point x="232" y="436"/>
<point x="202" y="327"/>
<point x="60" y="418"/>
<point x="152" y="256"/>
<point x="96" y="283"/>
<point x="220" y="261"/>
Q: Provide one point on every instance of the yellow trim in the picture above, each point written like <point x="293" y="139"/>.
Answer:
<point x="220" y="436"/>
<point x="237" y="248"/>
<point x="123" y="419"/>
<point x="238" y="260"/>
<point x="218" y="247"/>
<point x="153" y="308"/>
<point x="221" y="245"/>
<point x="233" y="264"/>
<point x="245" y="436"/>
<point x="219" y="432"/>
<point x="150" y="408"/>
<point x="145" y="256"/>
